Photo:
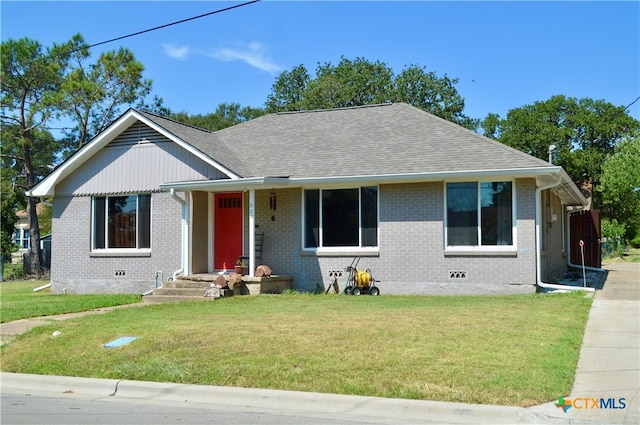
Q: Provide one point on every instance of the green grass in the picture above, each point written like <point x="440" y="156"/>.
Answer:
<point x="18" y="301"/>
<point x="631" y="255"/>
<point x="510" y="350"/>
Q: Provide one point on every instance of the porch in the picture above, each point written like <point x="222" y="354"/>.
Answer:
<point x="192" y="287"/>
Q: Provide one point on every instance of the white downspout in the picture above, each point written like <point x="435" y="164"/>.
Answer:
<point x="252" y="232"/>
<point x="569" y="263"/>
<point x="183" y="232"/>
<point x="539" y="240"/>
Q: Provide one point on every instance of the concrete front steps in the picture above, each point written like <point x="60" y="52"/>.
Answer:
<point x="185" y="288"/>
<point x="192" y="288"/>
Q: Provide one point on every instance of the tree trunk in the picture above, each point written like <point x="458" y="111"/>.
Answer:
<point x="34" y="226"/>
<point x="34" y="238"/>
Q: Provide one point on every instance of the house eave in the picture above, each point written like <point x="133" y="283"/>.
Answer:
<point x="228" y="185"/>
<point x="571" y="195"/>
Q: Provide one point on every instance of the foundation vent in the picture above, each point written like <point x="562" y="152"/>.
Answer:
<point x="119" y="272"/>
<point x="457" y="274"/>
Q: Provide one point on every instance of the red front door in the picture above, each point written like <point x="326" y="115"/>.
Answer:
<point x="227" y="230"/>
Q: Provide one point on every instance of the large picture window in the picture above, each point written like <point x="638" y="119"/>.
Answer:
<point x="122" y="222"/>
<point x="341" y="217"/>
<point x="479" y="214"/>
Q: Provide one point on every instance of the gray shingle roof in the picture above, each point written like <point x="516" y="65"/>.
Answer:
<point x="368" y="140"/>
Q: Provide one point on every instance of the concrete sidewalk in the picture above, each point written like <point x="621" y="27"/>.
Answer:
<point x="608" y="368"/>
<point x="609" y="363"/>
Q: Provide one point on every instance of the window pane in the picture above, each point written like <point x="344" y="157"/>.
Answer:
<point x="369" y="212"/>
<point x="144" y="221"/>
<point x="340" y="217"/>
<point x="496" y="213"/>
<point x="122" y="221"/>
<point x="26" y="239"/>
<point x="312" y="218"/>
<point x="462" y="214"/>
<point x="99" y="208"/>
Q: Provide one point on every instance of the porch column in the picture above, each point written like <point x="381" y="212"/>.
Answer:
<point x="186" y="215"/>
<point x="252" y="232"/>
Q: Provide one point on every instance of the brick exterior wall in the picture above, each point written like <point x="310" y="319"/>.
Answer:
<point x="411" y="258"/>
<point x="75" y="270"/>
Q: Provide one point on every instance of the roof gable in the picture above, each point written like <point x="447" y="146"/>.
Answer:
<point x="47" y="186"/>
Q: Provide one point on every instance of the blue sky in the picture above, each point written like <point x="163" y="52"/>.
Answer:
<point x="505" y="54"/>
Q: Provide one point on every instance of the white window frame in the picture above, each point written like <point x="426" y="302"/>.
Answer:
<point x="106" y="229"/>
<point x="340" y="249"/>
<point x="482" y="248"/>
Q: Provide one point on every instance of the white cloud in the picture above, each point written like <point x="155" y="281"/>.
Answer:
<point x="176" y="52"/>
<point x="254" y="54"/>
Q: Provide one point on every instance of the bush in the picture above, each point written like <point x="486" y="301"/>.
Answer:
<point x="13" y="271"/>
<point x="635" y="242"/>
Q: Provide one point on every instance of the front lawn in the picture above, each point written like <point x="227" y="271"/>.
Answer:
<point x="510" y="350"/>
<point x="18" y="301"/>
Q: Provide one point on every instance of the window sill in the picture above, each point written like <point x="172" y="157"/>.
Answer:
<point x="512" y="252"/>
<point x="120" y="253"/>
<point x="346" y="252"/>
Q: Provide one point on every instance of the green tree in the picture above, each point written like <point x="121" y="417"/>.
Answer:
<point x="350" y="83"/>
<point x="95" y="92"/>
<point x="585" y="132"/>
<point x="31" y="80"/>
<point x="362" y="82"/>
<point x="9" y="201"/>
<point x="287" y="93"/>
<point x="620" y="185"/>
<point x="436" y="95"/>
<point x="225" y="115"/>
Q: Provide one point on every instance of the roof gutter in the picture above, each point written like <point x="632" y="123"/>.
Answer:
<point x="539" y="281"/>
<point x="281" y="182"/>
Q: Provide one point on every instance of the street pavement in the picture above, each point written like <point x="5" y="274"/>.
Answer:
<point x="606" y="388"/>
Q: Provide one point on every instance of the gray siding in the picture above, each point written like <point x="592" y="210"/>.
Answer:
<point x="122" y="166"/>
<point x="553" y="262"/>
<point x="75" y="270"/>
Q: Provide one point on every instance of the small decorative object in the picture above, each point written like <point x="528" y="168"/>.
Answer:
<point x="212" y="291"/>
<point x="263" y="271"/>
<point x="241" y="267"/>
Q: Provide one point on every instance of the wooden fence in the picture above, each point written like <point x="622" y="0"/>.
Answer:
<point x="585" y="228"/>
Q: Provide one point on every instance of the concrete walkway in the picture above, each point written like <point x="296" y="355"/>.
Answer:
<point x="609" y="362"/>
<point x="608" y="368"/>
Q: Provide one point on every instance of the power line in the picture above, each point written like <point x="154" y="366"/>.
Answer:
<point x="629" y="105"/>
<point x="175" y="23"/>
<point x="145" y="31"/>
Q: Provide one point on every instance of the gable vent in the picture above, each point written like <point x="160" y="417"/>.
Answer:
<point x="457" y="275"/>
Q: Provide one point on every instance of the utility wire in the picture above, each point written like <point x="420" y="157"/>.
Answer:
<point x="629" y="105"/>
<point x="145" y="31"/>
<point x="175" y="23"/>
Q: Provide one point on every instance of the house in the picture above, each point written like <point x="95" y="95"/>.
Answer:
<point x="428" y="206"/>
<point x="22" y="237"/>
